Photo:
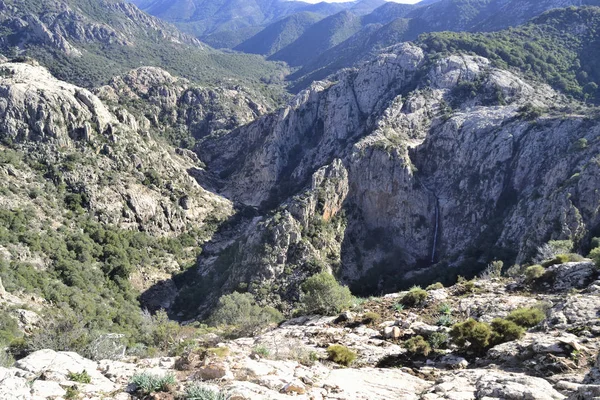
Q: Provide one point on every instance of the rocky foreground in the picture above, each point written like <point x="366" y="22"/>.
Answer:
<point x="557" y="359"/>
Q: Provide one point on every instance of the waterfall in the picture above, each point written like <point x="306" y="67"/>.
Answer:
<point x="437" y="224"/>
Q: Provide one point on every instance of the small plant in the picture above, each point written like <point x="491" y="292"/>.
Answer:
<point x="371" y="318"/>
<point x="72" y="393"/>
<point x="445" y="309"/>
<point x="399" y="307"/>
<point x="438" y="340"/>
<point x="534" y="273"/>
<point x="220" y="352"/>
<point x="444" y="320"/>
<point x="81" y="377"/>
<point x="493" y="270"/>
<point x="514" y="271"/>
<point x="147" y="383"/>
<point x="504" y="330"/>
<point x="527" y="317"/>
<point x="415" y="297"/>
<point x="476" y="334"/>
<point x="417" y="345"/>
<point x="262" y="351"/>
<point x="464" y="286"/>
<point x="199" y="392"/>
<point x="341" y="355"/>
<point x="435" y="286"/>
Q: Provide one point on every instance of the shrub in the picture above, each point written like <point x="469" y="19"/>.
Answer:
<point x="262" y="351"/>
<point x="514" y="271"/>
<point x="445" y="308"/>
<point x="553" y="248"/>
<point x="415" y="297"/>
<point x="595" y="256"/>
<point x="147" y="383"/>
<point x="526" y="317"/>
<point x="341" y="355"/>
<point x="477" y="334"/>
<point x="438" y="340"/>
<point x="199" y="392"/>
<point x="398" y="307"/>
<point x="240" y="311"/>
<point x="435" y="286"/>
<point x="493" y="270"/>
<point x="464" y="286"/>
<point x="322" y="294"/>
<point x="220" y="352"/>
<point x="81" y="377"/>
<point x="417" y="345"/>
<point x="444" y="320"/>
<point x="504" y="330"/>
<point x="534" y="272"/>
<point x="595" y="242"/>
<point x="71" y="393"/>
<point x="371" y="318"/>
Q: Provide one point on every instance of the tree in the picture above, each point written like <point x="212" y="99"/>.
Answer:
<point x="322" y="294"/>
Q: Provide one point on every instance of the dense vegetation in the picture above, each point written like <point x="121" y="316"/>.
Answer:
<point x="559" y="47"/>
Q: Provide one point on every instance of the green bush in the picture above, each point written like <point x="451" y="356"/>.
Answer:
<point x="438" y="340"/>
<point x="595" y="242"/>
<point x="262" y="351"/>
<point x="199" y="392"/>
<point x="595" y="256"/>
<point x="493" y="270"/>
<point x="322" y="294"/>
<point x="371" y="318"/>
<point x="534" y="273"/>
<point x="80" y="377"/>
<point x="435" y="286"/>
<point x="504" y="330"/>
<point x="444" y="320"/>
<point x="147" y="383"/>
<point x="239" y="310"/>
<point x="341" y="355"/>
<point x="417" y="346"/>
<point x="526" y="317"/>
<point x="415" y="297"/>
<point x="477" y="334"/>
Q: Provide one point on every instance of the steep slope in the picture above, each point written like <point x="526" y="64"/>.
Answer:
<point x="280" y="34"/>
<point x="319" y="38"/>
<point x="95" y="207"/>
<point x="414" y="167"/>
<point x="87" y="42"/>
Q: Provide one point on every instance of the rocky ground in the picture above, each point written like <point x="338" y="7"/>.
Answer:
<point x="557" y="359"/>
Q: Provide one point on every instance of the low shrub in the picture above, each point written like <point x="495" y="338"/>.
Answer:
<point x="534" y="273"/>
<point x="444" y="320"/>
<point x="262" y="351"/>
<point x="445" y="308"/>
<point x="415" y="297"/>
<point x="493" y="270"/>
<point x="477" y="334"/>
<point x="147" y="383"/>
<point x="435" y="286"/>
<point x="438" y="340"/>
<point x="399" y="307"/>
<point x="341" y="355"/>
<point x="595" y="256"/>
<point x="220" y="352"/>
<point x="526" y="317"/>
<point x="504" y="330"/>
<point x="199" y="392"/>
<point x="80" y="377"/>
<point x="322" y="294"/>
<point x="417" y="346"/>
<point x="371" y="318"/>
<point x="239" y="310"/>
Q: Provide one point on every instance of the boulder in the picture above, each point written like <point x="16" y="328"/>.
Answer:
<point x="573" y="275"/>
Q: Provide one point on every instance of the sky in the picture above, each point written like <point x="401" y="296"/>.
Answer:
<point x="344" y="1"/>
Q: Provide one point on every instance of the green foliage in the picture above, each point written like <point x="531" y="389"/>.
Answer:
<point x="534" y="272"/>
<point x="147" y="383"/>
<point x="239" y="310"/>
<point x="415" y="297"/>
<point x="341" y="355"/>
<point x="80" y="377"/>
<point x="493" y="270"/>
<point x="399" y="307"/>
<point x="435" y="286"/>
<point x="504" y="330"/>
<point x="322" y="294"/>
<point x="526" y="317"/>
<point x="477" y="334"/>
<point x="417" y="346"/>
<point x="444" y="320"/>
<point x="595" y="242"/>
<point x="371" y="318"/>
<point x="445" y="309"/>
<point x="595" y="256"/>
<point x="551" y="48"/>
<point x="71" y="393"/>
<point x="152" y="178"/>
<point x="199" y="392"/>
<point x="262" y="351"/>
<point x="438" y="340"/>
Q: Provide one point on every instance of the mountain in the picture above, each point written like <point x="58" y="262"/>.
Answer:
<point x="87" y="42"/>
<point x="319" y="38"/>
<point x="279" y="35"/>
<point x="446" y="141"/>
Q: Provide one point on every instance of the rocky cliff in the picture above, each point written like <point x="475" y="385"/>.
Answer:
<point x="436" y="166"/>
